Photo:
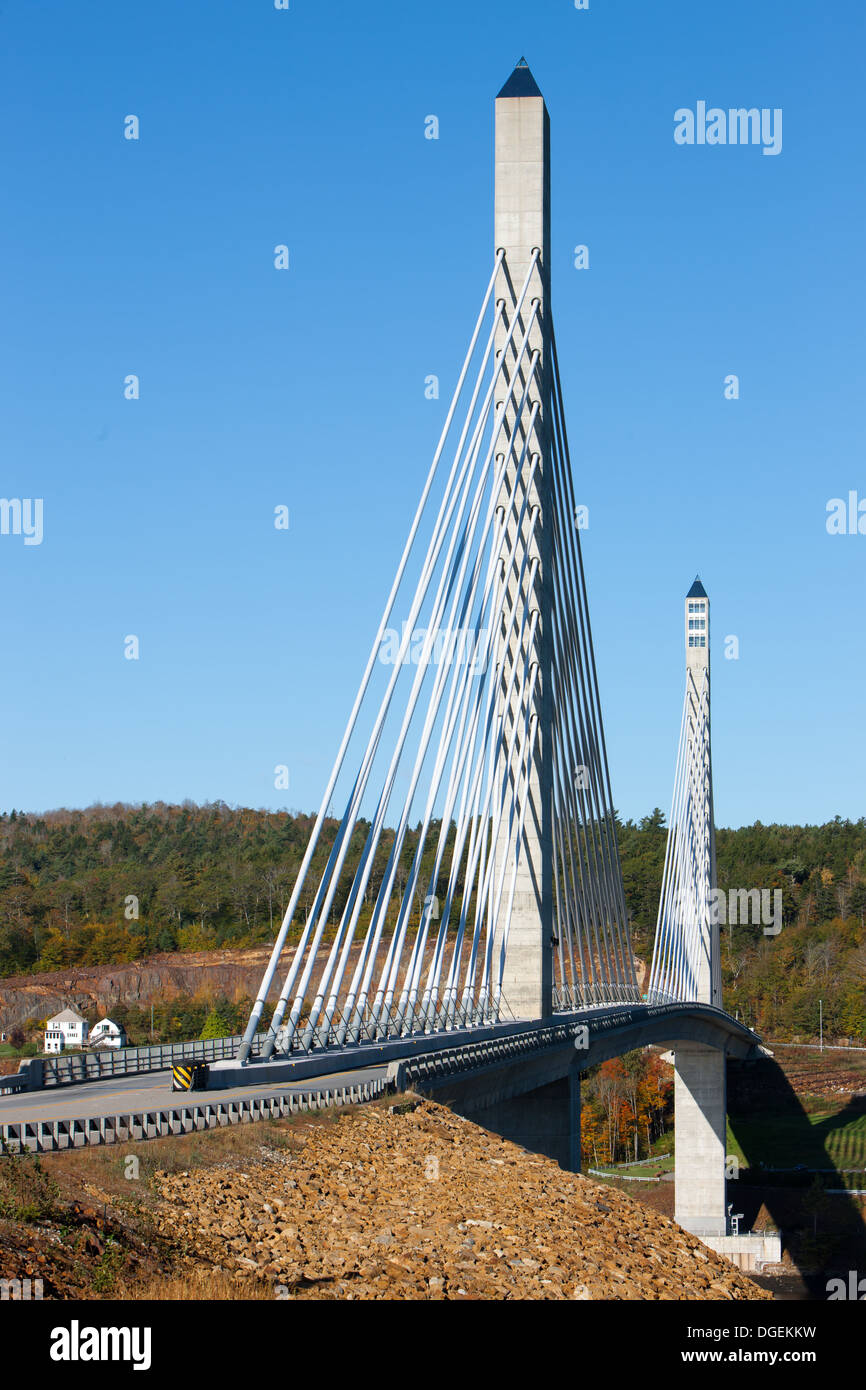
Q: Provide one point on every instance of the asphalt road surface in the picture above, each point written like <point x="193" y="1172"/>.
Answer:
<point x="126" y="1095"/>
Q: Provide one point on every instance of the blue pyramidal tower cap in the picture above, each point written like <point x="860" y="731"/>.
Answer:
<point x="697" y="590"/>
<point x="521" y="83"/>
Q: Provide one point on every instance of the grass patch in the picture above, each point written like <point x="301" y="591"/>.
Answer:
<point x="827" y="1136"/>
<point x="664" y="1144"/>
<point x="27" y="1191"/>
<point x="664" y="1164"/>
<point x="109" y="1268"/>
<point x="214" y="1285"/>
<point x="109" y="1167"/>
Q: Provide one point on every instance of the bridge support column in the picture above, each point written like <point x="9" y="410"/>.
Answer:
<point x="700" y="1098"/>
<point x="545" y="1121"/>
<point x="574" y="1122"/>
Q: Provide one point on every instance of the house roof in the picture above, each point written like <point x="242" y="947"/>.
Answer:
<point x="108" y="1023"/>
<point x="67" y="1016"/>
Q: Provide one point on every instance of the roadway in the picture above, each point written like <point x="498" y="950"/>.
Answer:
<point x="612" y="1030"/>
<point x="130" y="1095"/>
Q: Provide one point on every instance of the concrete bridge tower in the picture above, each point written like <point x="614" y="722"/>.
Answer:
<point x="700" y="1092"/>
<point x="697" y="640"/>
<point x="522" y="230"/>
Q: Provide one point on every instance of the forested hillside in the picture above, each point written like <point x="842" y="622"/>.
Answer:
<point x="775" y="982"/>
<point x="113" y="884"/>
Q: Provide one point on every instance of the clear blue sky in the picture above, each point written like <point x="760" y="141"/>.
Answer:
<point x="306" y="387"/>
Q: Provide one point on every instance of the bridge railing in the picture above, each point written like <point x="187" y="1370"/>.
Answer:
<point x="402" y="1074"/>
<point x="584" y="1029"/>
<point x="74" y="1067"/>
<point x="50" y="1136"/>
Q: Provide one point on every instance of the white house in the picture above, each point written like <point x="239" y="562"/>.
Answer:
<point x="107" y="1033"/>
<point x="70" y="1026"/>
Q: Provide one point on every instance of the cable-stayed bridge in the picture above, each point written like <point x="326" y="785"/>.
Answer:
<point x="494" y="718"/>
<point x="487" y="733"/>
<point x="472" y="894"/>
<point x="466" y="925"/>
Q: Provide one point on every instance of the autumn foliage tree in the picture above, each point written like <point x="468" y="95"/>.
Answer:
<point x="626" y="1104"/>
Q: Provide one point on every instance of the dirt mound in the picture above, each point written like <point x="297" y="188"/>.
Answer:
<point x="423" y="1204"/>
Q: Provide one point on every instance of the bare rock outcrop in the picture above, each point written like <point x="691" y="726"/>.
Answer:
<point x="232" y="973"/>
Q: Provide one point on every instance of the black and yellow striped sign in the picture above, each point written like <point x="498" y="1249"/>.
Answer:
<point x="181" y="1077"/>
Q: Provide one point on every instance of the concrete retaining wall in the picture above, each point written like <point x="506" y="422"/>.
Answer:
<point x="750" y="1251"/>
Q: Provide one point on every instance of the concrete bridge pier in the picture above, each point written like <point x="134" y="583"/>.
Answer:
<point x="700" y="1196"/>
<point x="544" y="1121"/>
<point x="700" y="1100"/>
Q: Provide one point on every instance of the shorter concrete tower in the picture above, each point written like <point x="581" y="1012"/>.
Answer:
<point x="697" y="635"/>
<point x="694" y="967"/>
<point x="686" y="962"/>
<point x="697" y="628"/>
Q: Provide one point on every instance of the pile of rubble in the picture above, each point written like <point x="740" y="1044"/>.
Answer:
<point x="417" y="1203"/>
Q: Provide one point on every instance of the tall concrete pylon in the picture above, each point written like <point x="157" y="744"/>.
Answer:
<point x="522" y="232"/>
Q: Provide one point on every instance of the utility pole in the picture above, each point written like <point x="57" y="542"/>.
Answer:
<point x="151" y="1023"/>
